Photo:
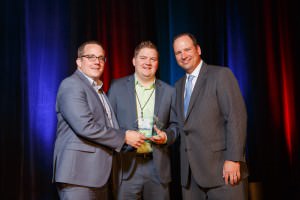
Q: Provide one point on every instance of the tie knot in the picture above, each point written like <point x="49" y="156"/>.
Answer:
<point x="190" y="77"/>
<point x="100" y="91"/>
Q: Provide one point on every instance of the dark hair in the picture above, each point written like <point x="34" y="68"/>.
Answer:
<point x="193" y="38"/>
<point x="82" y="46"/>
<point x="144" y="44"/>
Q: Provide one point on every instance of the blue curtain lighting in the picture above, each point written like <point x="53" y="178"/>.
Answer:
<point x="46" y="63"/>
<point x="237" y="58"/>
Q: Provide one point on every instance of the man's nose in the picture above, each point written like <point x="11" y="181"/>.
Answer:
<point x="183" y="55"/>
<point x="148" y="61"/>
<point x="97" y="61"/>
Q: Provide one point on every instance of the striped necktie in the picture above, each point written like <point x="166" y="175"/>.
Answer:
<point x="106" y="106"/>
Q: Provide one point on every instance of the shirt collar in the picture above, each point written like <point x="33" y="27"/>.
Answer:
<point x="196" y="71"/>
<point x="92" y="82"/>
<point x="140" y="85"/>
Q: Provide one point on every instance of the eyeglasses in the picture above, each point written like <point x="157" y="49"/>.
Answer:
<point x="93" y="58"/>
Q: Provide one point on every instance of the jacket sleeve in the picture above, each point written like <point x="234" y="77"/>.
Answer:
<point x="234" y="111"/>
<point x="172" y="131"/>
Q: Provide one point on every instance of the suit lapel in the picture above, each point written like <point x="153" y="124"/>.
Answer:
<point x="132" y="97"/>
<point x="92" y="90"/>
<point x="181" y="96"/>
<point x="158" y="96"/>
<point x="197" y="89"/>
<point x="88" y="84"/>
<point x="113" y="116"/>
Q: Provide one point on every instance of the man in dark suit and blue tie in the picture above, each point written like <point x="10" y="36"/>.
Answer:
<point x="141" y="102"/>
<point x="212" y="119"/>
<point x="87" y="131"/>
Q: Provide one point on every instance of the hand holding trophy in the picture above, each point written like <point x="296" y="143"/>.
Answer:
<point x="161" y="136"/>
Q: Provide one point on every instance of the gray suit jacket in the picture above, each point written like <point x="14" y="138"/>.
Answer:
<point x="85" y="140"/>
<point x="123" y="100"/>
<point x="214" y="129"/>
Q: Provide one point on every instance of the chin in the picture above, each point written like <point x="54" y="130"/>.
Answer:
<point x="148" y="76"/>
<point x="187" y="67"/>
<point x="97" y="76"/>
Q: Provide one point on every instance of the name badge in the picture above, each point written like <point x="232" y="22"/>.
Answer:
<point x="145" y="124"/>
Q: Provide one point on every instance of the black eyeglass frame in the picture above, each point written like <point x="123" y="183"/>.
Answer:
<point x="93" y="58"/>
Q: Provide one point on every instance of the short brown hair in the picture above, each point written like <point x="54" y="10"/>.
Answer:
<point x="193" y="38"/>
<point x="81" y="47"/>
<point x="145" y="44"/>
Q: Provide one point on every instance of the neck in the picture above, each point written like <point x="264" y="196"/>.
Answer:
<point x="191" y="70"/>
<point x="98" y="81"/>
<point x="146" y="82"/>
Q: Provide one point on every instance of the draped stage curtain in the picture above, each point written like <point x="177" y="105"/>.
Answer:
<point x="257" y="39"/>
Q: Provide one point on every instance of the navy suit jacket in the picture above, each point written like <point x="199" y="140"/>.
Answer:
<point x="123" y="101"/>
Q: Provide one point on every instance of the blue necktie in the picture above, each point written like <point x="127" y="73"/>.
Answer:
<point x="188" y="93"/>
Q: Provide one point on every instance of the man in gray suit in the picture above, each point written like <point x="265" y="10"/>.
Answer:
<point x="142" y="102"/>
<point x="87" y="130"/>
<point x="212" y="117"/>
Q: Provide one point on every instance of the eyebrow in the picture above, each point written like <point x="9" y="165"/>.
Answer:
<point x="148" y="57"/>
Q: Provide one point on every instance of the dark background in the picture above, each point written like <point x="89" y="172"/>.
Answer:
<point x="257" y="39"/>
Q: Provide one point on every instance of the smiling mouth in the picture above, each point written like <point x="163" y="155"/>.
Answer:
<point x="98" y="69"/>
<point x="185" y="62"/>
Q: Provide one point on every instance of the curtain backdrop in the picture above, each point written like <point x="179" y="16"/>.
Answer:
<point x="258" y="40"/>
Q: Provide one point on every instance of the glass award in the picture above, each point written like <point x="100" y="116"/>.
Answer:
<point x="158" y="124"/>
<point x="145" y="126"/>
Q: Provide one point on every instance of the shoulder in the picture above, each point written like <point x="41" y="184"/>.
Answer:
<point x="222" y="76"/>
<point x="179" y="81"/>
<point x="71" y="81"/>
<point x="121" y="81"/>
<point x="165" y="90"/>
<point x="164" y="84"/>
<point x="120" y="85"/>
<point x="71" y="87"/>
<point x="216" y="71"/>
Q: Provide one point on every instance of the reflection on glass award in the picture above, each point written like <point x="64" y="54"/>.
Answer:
<point x="158" y="123"/>
<point x="145" y="126"/>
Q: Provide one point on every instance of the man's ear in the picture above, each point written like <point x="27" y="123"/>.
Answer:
<point x="199" y="50"/>
<point x="133" y="61"/>
<point x="78" y="62"/>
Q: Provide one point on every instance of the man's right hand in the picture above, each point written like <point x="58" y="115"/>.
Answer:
<point x="134" y="138"/>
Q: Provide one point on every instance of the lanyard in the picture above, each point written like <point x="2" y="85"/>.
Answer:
<point x="142" y="107"/>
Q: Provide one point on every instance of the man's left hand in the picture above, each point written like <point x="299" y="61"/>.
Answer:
<point x="231" y="172"/>
<point x="160" y="138"/>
